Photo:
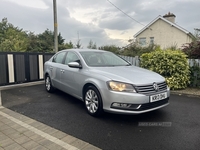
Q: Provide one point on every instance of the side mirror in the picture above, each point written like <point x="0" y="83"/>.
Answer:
<point x="74" y="65"/>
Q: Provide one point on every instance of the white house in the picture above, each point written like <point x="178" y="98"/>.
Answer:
<point x="163" y="31"/>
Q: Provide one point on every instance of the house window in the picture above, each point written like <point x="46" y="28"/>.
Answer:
<point x="151" y="41"/>
<point x="142" y="41"/>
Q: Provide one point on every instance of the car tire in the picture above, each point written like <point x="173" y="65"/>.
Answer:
<point x="93" y="101"/>
<point x="48" y="84"/>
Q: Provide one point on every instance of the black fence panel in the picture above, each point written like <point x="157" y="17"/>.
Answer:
<point x="20" y="67"/>
<point x="20" y="72"/>
<point x="3" y="70"/>
<point x="47" y="57"/>
<point x="33" y="66"/>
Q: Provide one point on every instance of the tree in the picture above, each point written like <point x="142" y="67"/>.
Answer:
<point x="34" y="43"/>
<point x="61" y="41"/>
<point x="15" y="39"/>
<point x="45" y="41"/>
<point x="12" y="38"/>
<point x="78" y="44"/>
<point x="111" y="48"/>
<point x="197" y="34"/>
<point x="92" y="45"/>
<point x="133" y="49"/>
<point x="65" y="46"/>
<point x="3" y="28"/>
<point x="193" y="49"/>
<point x="70" y="44"/>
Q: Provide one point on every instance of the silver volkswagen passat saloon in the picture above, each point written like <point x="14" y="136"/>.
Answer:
<point x="105" y="82"/>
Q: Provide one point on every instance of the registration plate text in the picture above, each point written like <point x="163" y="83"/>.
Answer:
<point x="158" y="97"/>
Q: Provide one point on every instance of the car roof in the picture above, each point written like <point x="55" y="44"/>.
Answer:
<point x="82" y="50"/>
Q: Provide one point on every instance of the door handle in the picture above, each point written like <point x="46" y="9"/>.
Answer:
<point x="62" y="70"/>
<point x="51" y="68"/>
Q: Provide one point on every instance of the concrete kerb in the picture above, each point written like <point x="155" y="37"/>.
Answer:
<point x="21" y="85"/>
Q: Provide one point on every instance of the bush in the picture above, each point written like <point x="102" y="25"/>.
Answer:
<point x="172" y="64"/>
<point x="192" y="49"/>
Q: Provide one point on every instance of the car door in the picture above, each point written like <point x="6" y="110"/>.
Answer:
<point x="56" y="68"/>
<point x="68" y="76"/>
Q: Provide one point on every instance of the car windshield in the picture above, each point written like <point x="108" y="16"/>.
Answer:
<point x="103" y="59"/>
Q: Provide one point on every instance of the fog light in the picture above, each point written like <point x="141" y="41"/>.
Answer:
<point x="122" y="105"/>
<point x="125" y="106"/>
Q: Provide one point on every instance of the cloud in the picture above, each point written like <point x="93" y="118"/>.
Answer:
<point x="28" y="18"/>
<point x="97" y="20"/>
<point x="117" y="23"/>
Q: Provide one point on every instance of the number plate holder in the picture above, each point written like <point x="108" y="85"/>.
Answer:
<point x="158" y="97"/>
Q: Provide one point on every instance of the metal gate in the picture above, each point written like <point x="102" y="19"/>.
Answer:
<point x="20" y="67"/>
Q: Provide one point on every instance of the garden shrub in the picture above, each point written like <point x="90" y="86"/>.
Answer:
<point x="172" y="64"/>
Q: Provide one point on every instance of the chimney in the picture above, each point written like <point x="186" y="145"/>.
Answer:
<point x="170" y="17"/>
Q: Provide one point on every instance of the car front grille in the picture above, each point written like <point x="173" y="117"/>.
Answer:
<point x="153" y="105"/>
<point x="149" y="89"/>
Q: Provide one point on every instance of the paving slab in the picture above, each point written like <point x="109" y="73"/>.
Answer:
<point x="21" y="132"/>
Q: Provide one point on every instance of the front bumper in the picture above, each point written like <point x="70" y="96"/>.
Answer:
<point x="139" y="103"/>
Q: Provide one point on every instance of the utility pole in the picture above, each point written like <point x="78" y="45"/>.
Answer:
<point x="55" y="26"/>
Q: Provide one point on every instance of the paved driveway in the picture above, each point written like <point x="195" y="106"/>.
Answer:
<point x="176" y="126"/>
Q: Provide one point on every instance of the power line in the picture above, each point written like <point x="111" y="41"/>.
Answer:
<point x="125" y="13"/>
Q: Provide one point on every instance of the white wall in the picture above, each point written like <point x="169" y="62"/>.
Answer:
<point x="165" y="35"/>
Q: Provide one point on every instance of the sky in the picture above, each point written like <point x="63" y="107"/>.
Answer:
<point x="97" y="20"/>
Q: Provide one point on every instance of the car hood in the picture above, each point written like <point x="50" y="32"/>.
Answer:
<point x="129" y="74"/>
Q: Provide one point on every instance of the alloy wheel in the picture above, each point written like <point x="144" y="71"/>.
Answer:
<point x="48" y="83"/>
<point x="91" y="101"/>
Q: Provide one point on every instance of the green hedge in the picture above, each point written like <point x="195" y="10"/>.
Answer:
<point x="172" y="64"/>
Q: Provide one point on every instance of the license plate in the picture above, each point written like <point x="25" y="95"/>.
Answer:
<point x="158" y="97"/>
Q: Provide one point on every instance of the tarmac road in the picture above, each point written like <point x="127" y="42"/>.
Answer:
<point x="176" y="126"/>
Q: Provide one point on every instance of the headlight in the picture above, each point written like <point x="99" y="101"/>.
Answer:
<point x="120" y="87"/>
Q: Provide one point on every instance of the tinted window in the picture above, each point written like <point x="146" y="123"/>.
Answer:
<point x="59" y="57"/>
